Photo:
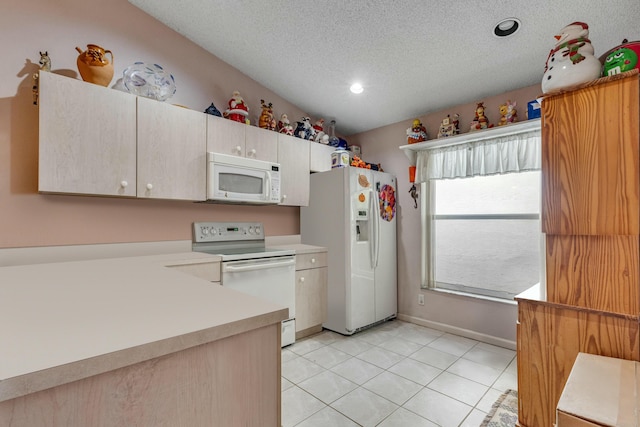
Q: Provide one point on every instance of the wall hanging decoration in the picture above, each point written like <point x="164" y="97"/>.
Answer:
<point x="149" y="81"/>
<point x="94" y="66"/>
<point x="571" y="61"/>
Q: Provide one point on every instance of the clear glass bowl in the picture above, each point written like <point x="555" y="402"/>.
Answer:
<point x="149" y="80"/>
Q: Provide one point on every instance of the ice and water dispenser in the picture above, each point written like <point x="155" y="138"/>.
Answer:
<point x="361" y="209"/>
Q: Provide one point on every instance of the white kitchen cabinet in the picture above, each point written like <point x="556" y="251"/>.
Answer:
<point x="100" y="141"/>
<point x="293" y="156"/>
<point x="320" y="157"/>
<point x="171" y="151"/>
<point x="311" y="292"/>
<point x="237" y="139"/>
<point x="87" y="138"/>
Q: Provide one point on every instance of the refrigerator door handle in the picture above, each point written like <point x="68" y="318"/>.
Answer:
<point x="377" y="231"/>
<point x="372" y="234"/>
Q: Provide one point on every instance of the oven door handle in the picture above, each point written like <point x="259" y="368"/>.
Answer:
<point x="257" y="266"/>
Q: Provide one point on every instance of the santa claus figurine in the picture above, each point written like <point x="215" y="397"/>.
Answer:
<point x="571" y="61"/>
<point x="319" y="128"/>
<point x="284" y="126"/>
<point x="238" y="110"/>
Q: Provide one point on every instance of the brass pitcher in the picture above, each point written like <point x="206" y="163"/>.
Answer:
<point x="93" y="66"/>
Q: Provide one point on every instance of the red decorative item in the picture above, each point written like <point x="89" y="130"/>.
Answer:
<point x="238" y="110"/>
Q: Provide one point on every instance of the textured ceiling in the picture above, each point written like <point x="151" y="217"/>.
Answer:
<point x="412" y="57"/>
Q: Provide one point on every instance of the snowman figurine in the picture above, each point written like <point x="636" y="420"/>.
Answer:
<point x="571" y="61"/>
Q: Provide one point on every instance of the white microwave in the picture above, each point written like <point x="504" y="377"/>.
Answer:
<point x="234" y="179"/>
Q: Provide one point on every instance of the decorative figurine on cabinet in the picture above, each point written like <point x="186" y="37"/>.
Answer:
<point x="266" y="120"/>
<point x="571" y="61"/>
<point x="508" y="113"/>
<point x="320" y="135"/>
<point x="448" y="127"/>
<point x="416" y="133"/>
<point x="238" y="110"/>
<point x="304" y="129"/>
<point x="480" y="121"/>
<point x="622" y="58"/>
<point x="284" y="126"/>
<point x="211" y="109"/>
<point x="45" y="65"/>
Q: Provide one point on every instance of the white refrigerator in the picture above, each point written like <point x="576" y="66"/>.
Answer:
<point x="352" y="212"/>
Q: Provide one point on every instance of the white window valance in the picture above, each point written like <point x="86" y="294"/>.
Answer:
<point x="516" y="152"/>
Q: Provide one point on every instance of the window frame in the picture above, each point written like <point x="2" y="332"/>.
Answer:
<point x="428" y="218"/>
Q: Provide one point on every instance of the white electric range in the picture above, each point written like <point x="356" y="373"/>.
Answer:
<point x="249" y="266"/>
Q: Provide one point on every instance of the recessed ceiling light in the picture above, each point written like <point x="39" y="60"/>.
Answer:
<point x="506" y="27"/>
<point x="356" y="88"/>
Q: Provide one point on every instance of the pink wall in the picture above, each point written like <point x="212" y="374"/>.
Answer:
<point x="381" y="146"/>
<point x="30" y="219"/>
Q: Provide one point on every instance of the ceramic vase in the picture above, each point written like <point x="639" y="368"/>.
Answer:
<point x="93" y="65"/>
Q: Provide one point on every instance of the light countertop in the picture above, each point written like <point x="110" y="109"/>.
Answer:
<point x="61" y="322"/>
<point x="301" y="248"/>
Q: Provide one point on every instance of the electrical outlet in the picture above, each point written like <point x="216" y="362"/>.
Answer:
<point x="421" y="299"/>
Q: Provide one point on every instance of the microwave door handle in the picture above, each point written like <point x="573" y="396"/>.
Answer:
<point x="268" y="186"/>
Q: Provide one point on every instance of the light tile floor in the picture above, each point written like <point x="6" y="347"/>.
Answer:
<point x="396" y="374"/>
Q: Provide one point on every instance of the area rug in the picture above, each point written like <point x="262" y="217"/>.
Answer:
<point x="504" y="412"/>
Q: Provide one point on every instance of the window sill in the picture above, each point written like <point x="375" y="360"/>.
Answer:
<point x="473" y="296"/>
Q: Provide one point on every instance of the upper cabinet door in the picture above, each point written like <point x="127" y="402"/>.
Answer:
<point x="229" y="137"/>
<point x="87" y="138"/>
<point x="293" y="156"/>
<point x="261" y="144"/>
<point x="171" y="151"/>
<point x="590" y="160"/>
<point x="225" y="136"/>
<point x="320" y="157"/>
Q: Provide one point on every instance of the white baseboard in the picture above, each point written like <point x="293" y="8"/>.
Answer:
<point x="500" y="342"/>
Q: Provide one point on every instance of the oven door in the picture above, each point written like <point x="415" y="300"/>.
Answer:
<point x="273" y="279"/>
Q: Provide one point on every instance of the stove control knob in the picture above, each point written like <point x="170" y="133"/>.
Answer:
<point x="213" y="231"/>
<point x="205" y="231"/>
<point x="257" y="230"/>
<point x="251" y="230"/>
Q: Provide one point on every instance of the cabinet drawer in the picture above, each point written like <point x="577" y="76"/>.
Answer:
<point x="207" y="270"/>
<point x="313" y="260"/>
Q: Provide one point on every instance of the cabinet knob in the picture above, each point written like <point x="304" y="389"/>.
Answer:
<point x="123" y="184"/>
<point x="301" y="280"/>
<point x="238" y="149"/>
<point x="149" y="186"/>
<point x="253" y="151"/>
<point x="284" y="196"/>
<point x="313" y="260"/>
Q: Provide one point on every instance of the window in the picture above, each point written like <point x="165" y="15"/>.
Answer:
<point x="482" y="219"/>
<point x="484" y="234"/>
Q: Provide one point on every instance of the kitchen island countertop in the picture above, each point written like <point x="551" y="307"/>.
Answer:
<point x="61" y="322"/>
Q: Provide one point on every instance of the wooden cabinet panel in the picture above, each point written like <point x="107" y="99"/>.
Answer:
<point x="311" y="298"/>
<point x="171" y="151"/>
<point x="590" y="160"/>
<point x="261" y="144"/>
<point x="320" y="157"/>
<point x="237" y="139"/>
<point x="549" y="339"/>
<point x="313" y="260"/>
<point x="87" y="141"/>
<point x="598" y="272"/>
<point x="293" y="156"/>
